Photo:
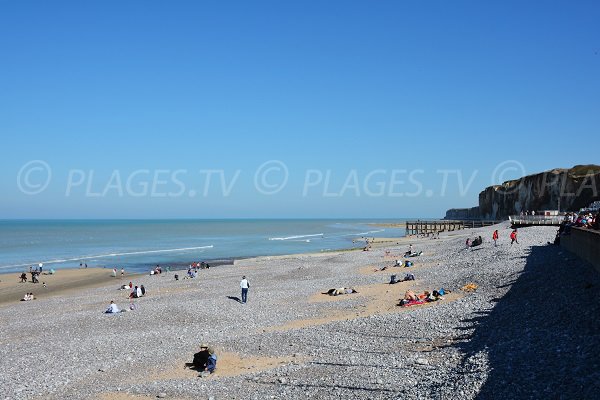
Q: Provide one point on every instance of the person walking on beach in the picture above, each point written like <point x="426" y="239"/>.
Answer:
<point x="245" y="286"/>
<point x="513" y="237"/>
<point x="122" y="272"/>
<point x="495" y="237"/>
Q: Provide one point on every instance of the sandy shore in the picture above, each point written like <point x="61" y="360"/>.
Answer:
<point x="291" y="341"/>
<point x="63" y="282"/>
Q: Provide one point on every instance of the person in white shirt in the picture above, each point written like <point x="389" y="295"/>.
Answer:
<point x="112" y="308"/>
<point x="245" y="286"/>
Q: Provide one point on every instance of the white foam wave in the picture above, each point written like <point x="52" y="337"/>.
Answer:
<point x="109" y="255"/>
<point x="296" y="237"/>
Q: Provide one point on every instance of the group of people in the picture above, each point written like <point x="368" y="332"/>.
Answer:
<point x="157" y="270"/>
<point x="114" y="272"/>
<point x="495" y="237"/>
<point x="199" y="265"/>
<point x="586" y="220"/>
<point x="28" y="296"/>
<point x="204" y="361"/>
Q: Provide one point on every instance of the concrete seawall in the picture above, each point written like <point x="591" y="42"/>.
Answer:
<point x="585" y="244"/>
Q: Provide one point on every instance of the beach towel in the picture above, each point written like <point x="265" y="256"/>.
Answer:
<point x="413" y="303"/>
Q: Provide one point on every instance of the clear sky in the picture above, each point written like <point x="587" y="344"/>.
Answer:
<point x="144" y="109"/>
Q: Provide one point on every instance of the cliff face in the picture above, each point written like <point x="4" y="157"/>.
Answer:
<point x="576" y="187"/>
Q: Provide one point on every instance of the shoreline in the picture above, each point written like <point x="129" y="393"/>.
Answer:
<point x="292" y="338"/>
<point x="65" y="281"/>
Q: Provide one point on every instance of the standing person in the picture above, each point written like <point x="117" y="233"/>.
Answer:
<point x="495" y="237"/>
<point x="513" y="237"/>
<point x="245" y="286"/>
<point x="122" y="272"/>
<point x="114" y="272"/>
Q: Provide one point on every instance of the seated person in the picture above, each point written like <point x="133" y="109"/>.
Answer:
<point x="26" y="297"/>
<point x="143" y="290"/>
<point x="112" y="308"/>
<point x="408" y="264"/>
<point x="176" y="277"/>
<point x="134" y="293"/>
<point x="477" y="241"/>
<point x="408" y="277"/>
<point x="205" y="359"/>
<point x="398" y="263"/>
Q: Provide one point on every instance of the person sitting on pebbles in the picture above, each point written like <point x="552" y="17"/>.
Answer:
<point x="205" y="360"/>
<point x="112" y="308"/>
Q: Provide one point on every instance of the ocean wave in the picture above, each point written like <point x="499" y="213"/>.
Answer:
<point x="295" y="237"/>
<point x="108" y="255"/>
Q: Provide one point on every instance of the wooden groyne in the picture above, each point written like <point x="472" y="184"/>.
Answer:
<point x="432" y="227"/>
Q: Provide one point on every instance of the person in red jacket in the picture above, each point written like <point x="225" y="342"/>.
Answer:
<point x="495" y="237"/>
<point x="513" y="237"/>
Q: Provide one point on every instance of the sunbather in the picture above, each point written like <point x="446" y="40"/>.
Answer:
<point x="340" y="291"/>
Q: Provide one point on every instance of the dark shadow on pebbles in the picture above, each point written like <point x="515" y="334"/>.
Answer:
<point x="543" y="337"/>
<point x="234" y="298"/>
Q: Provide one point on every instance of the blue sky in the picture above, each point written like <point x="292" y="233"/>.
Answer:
<point x="338" y="89"/>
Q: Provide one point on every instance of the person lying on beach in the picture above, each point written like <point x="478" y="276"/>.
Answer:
<point x="414" y="254"/>
<point x="410" y="298"/>
<point x="112" y="308"/>
<point x="340" y="291"/>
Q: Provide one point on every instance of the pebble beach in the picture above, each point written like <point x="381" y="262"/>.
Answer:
<point x="519" y="322"/>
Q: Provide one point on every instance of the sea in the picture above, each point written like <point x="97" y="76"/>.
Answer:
<point x="139" y="245"/>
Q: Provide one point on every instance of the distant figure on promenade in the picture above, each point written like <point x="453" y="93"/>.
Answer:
<point x="112" y="308"/>
<point x="245" y="286"/>
<point x="495" y="237"/>
<point x="513" y="237"/>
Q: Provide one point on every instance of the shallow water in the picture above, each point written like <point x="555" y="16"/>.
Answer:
<point x="139" y="244"/>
